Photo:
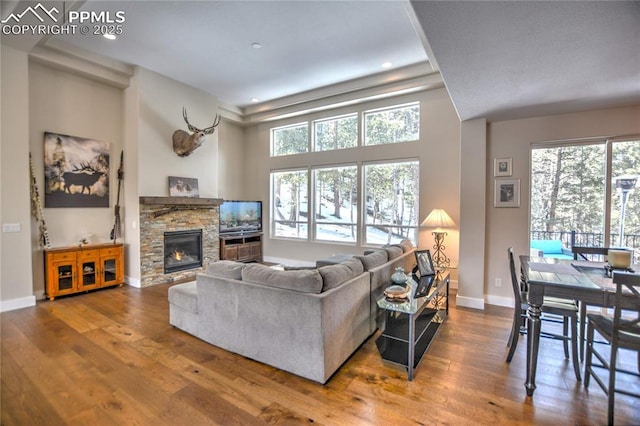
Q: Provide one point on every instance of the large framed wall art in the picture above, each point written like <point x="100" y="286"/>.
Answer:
<point x="76" y="171"/>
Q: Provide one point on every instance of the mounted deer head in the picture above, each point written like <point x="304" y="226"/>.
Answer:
<point x="184" y="143"/>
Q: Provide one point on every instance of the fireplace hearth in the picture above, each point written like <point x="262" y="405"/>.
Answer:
<point x="182" y="250"/>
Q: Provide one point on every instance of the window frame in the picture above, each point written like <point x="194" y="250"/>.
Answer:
<point x="272" y="203"/>
<point x="315" y="122"/>
<point x="406" y="105"/>
<point x="364" y="194"/>
<point x="272" y="142"/>
<point x="314" y="223"/>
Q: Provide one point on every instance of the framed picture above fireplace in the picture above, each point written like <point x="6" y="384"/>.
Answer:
<point x="183" y="187"/>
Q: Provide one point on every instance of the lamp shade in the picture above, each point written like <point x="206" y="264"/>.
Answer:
<point x="438" y="219"/>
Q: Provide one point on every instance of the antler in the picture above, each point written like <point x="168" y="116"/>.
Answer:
<point x="84" y="166"/>
<point x="206" y="131"/>
<point x="210" y="130"/>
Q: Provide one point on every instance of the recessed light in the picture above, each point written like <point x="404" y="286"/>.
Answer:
<point x="255" y="100"/>
<point x="256" y="45"/>
<point x="109" y="36"/>
<point x="387" y="64"/>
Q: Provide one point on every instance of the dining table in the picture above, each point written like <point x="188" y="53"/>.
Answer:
<point x="584" y="281"/>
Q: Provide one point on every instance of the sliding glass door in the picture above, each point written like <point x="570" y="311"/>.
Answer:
<point x="583" y="193"/>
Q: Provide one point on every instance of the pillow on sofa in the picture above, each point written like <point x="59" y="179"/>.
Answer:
<point x="334" y="275"/>
<point x="371" y="260"/>
<point x="393" y="251"/>
<point x="305" y="281"/>
<point x="355" y="265"/>
<point x="227" y="269"/>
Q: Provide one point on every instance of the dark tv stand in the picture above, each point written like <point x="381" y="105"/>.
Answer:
<point x="245" y="247"/>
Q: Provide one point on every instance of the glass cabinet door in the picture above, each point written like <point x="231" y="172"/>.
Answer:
<point x="109" y="271"/>
<point x="64" y="277"/>
<point x="88" y="274"/>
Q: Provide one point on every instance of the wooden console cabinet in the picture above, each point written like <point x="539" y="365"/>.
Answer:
<point x="74" y="269"/>
<point x="243" y="248"/>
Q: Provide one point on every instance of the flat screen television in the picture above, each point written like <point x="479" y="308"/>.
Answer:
<point x="240" y="217"/>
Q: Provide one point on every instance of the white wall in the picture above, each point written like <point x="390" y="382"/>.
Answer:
<point x="438" y="151"/>
<point x="160" y="113"/>
<point x="16" y="287"/>
<point x="69" y="104"/>
<point x="510" y="226"/>
<point x="231" y="164"/>
<point x="473" y="136"/>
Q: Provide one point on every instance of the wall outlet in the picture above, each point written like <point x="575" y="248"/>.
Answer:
<point x="498" y="282"/>
<point x="10" y="227"/>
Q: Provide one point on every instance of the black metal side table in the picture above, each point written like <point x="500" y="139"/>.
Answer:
<point x="411" y="325"/>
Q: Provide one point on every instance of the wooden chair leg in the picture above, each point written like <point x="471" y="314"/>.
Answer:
<point x="612" y="384"/>
<point x="565" y="332"/>
<point x="583" y="324"/>
<point x="574" y="347"/>
<point x="515" y="334"/>
<point x="588" y="357"/>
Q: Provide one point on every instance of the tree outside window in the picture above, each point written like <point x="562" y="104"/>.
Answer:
<point x="289" y="140"/>
<point x="336" y="133"/>
<point x="290" y="204"/>
<point x="336" y="203"/>
<point x="392" y="125"/>
<point x="569" y="194"/>
<point x="391" y="193"/>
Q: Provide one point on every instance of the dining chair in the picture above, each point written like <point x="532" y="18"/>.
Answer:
<point x="622" y="332"/>
<point x="595" y="254"/>
<point x="567" y="309"/>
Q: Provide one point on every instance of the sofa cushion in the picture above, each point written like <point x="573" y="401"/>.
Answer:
<point x="305" y="281"/>
<point x="373" y="259"/>
<point x="393" y="251"/>
<point x="355" y="265"/>
<point x="334" y="275"/>
<point x="227" y="269"/>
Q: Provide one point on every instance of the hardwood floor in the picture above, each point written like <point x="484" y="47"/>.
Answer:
<point x="111" y="357"/>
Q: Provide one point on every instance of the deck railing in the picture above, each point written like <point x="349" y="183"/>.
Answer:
<point x="589" y="239"/>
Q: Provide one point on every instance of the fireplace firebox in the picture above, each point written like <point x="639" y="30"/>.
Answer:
<point x="182" y="250"/>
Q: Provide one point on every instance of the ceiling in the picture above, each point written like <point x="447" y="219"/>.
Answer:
<point x="498" y="60"/>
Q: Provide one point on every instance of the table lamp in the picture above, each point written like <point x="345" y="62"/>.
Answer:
<point x="439" y="219"/>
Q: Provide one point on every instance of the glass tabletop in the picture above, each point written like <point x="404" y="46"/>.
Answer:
<point x="411" y="305"/>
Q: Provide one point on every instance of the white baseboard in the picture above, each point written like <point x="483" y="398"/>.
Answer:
<point x="469" y="302"/>
<point x="499" y="301"/>
<point x="133" y="282"/>
<point x="13" y="304"/>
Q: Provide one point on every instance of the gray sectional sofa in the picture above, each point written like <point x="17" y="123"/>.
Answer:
<point x="307" y="322"/>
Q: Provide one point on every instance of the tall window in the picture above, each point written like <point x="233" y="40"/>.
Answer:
<point x="288" y="140"/>
<point x="574" y="195"/>
<point x="336" y="133"/>
<point x="391" y="194"/>
<point x="336" y="203"/>
<point x="289" y="204"/>
<point x="348" y="203"/>
<point x="391" y="125"/>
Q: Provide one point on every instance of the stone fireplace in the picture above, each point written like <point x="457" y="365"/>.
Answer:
<point x="191" y="225"/>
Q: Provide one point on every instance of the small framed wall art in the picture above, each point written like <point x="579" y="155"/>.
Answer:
<point x="183" y="187"/>
<point x="506" y="193"/>
<point x="502" y="167"/>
